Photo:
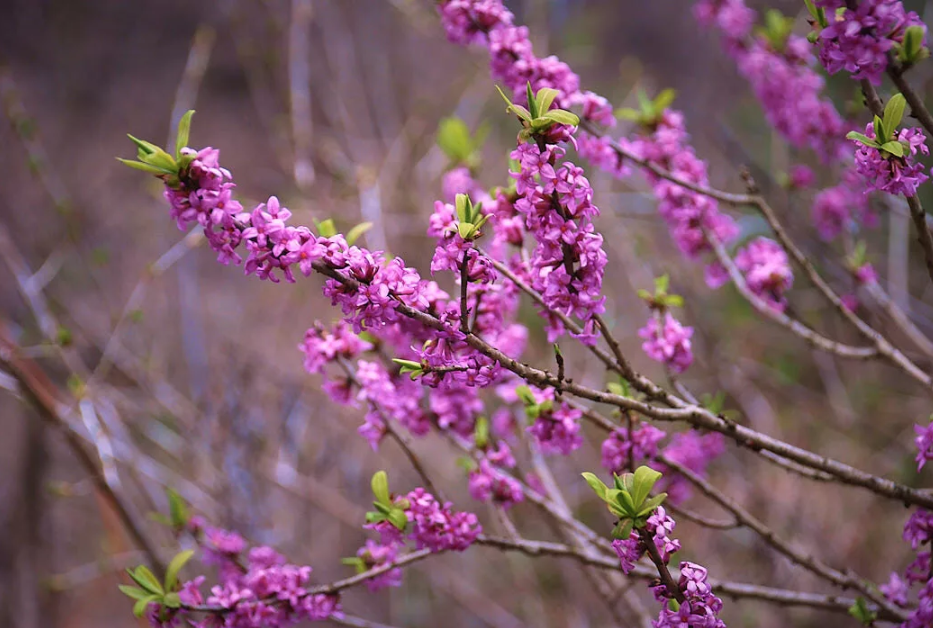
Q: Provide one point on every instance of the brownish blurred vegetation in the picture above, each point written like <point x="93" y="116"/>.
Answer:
<point x="195" y="377"/>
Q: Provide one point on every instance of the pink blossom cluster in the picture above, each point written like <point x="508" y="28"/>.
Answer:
<point x="783" y="79"/>
<point x="858" y="40"/>
<point x="690" y="449"/>
<point x="667" y="341"/>
<point x="767" y="271"/>
<point x="256" y="588"/>
<point x="376" y="555"/>
<point x="660" y="526"/>
<point x="566" y="267"/>
<point x="369" y="288"/>
<point x="556" y="429"/>
<point x="488" y="483"/>
<point x="837" y="208"/>
<point x="918" y="531"/>
<point x="626" y="448"/>
<point x="700" y="607"/>
<point x="694" y="451"/>
<point x="885" y="172"/>
<point x="437" y="526"/>
<point x="688" y="214"/>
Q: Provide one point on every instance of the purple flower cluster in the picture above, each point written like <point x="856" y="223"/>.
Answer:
<point x="783" y="79"/>
<point x="397" y="399"/>
<point x="487" y="483"/>
<point x="694" y="451"/>
<point x="660" y="526"/>
<point x="858" y="41"/>
<point x="838" y="207"/>
<point x="513" y="61"/>
<point x="438" y="527"/>
<point x="767" y="271"/>
<point x="322" y="346"/>
<point x="622" y="451"/>
<point x="556" y="429"/>
<point x="687" y="213"/>
<point x="918" y="531"/>
<point x="883" y="171"/>
<point x="700" y="607"/>
<point x="924" y="442"/>
<point x="667" y="341"/>
<point x="566" y="267"/>
<point x="256" y="589"/>
<point x="375" y="555"/>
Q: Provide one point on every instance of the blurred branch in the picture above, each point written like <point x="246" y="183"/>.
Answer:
<point x="41" y="392"/>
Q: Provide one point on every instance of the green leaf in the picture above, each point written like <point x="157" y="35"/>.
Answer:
<point x="561" y="116"/>
<point x="462" y="205"/>
<point x="895" y="148"/>
<point x="144" y="147"/>
<point x="861" y="611"/>
<point x="466" y="230"/>
<point x="647" y="107"/>
<point x="661" y="284"/>
<point x="374" y="517"/>
<point x="623" y="529"/>
<point x="541" y="124"/>
<point x="467" y="464"/>
<point x="518" y="110"/>
<point x="893" y="114"/>
<point x="644" y="481"/>
<point x="172" y="600"/>
<point x="177" y="508"/>
<point x="453" y="137"/>
<point x="481" y="432"/>
<point x="326" y="228"/>
<point x="140" y="607"/>
<point x="650" y="505"/>
<point x="545" y="98"/>
<point x="861" y="137"/>
<point x="912" y="47"/>
<point x="597" y="485"/>
<point x="171" y="572"/>
<point x="354" y="234"/>
<point x="138" y="165"/>
<point x="184" y="130"/>
<point x="664" y="100"/>
<point x="144" y="577"/>
<point x="624" y="499"/>
<point x="880" y="137"/>
<point x="532" y="103"/>
<point x="673" y="300"/>
<point x="524" y="393"/>
<point x="398" y="518"/>
<point x="134" y="592"/>
<point x="812" y="9"/>
<point x="625" y="113"/>
<point x="380" y="484"/>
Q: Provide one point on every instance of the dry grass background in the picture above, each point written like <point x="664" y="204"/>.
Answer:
<point x="206" y="390"/>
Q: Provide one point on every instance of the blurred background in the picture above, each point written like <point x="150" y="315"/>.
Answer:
<point x="191" y="373"/>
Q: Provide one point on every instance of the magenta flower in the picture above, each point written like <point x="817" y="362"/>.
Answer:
<point x="439" y="527"/>
<point x="619" y="448"/>
<point x="883" y="171"/>
<point x="668" y="342"/>
<point x="767" y="271"/>
<point x="858" y="41"/>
